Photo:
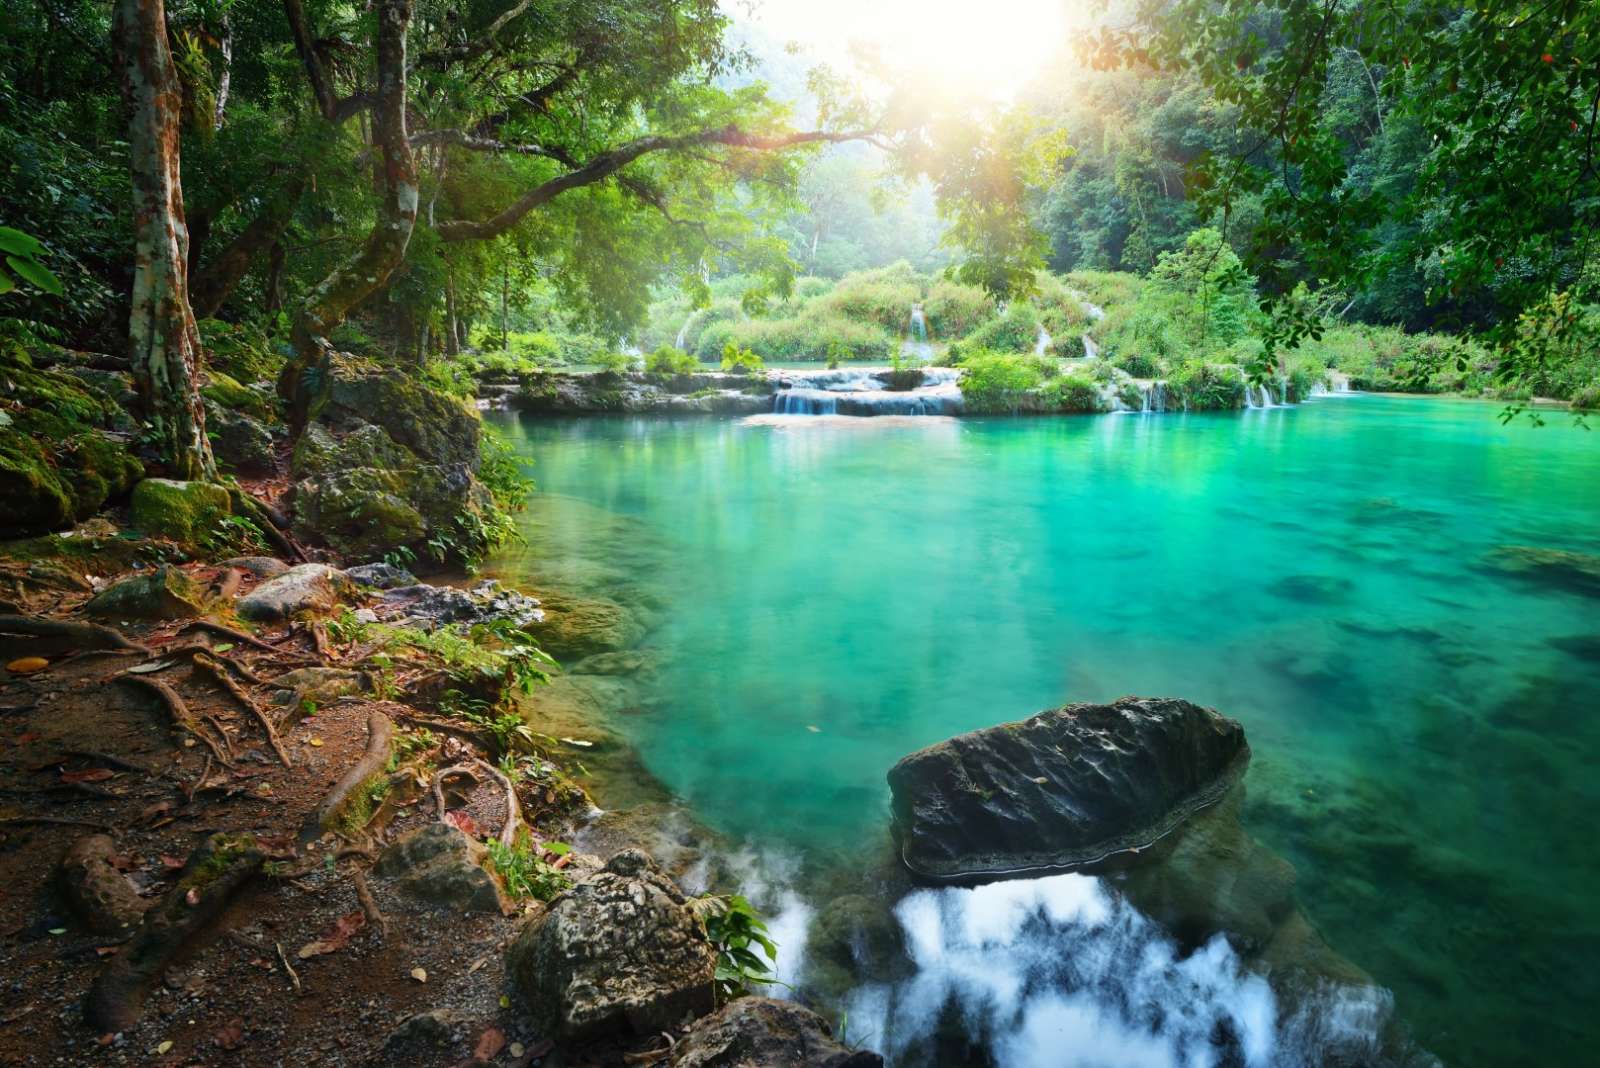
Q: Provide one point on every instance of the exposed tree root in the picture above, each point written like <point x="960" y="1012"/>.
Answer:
<point x="478" y="738"/>
<point x="180" y="713"/>
<point x="380" y="737"/>
<point x="514" y="822"/>
<point x="215" y="870"/>
<point x="369" y="904"/>
<point x="87" y="635"/>
<point x="16" y="821"/>
<point x="270" y="521"/>
<point x="228" y="632"/>
<point x="215" y="670"/>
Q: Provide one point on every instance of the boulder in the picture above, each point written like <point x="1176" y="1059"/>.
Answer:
<point x="766" y="1033"/>
<point x="855" y="939"/>
<point x="381" y="576"/>
<point x="440" y="865"/>
<point x="320" y="685"/>
<point x="186" y="512"/>
<point x="239" y="442"/>
<point x="262" y="567"/>
<point x="1065" y="789"/>
<point x="96" y="890"/>
<point x="428" y="1038"/>
<point x="165" y="593"/>
<point x="308" y="589"/>
<point x="63" y="446"/>
<point x="619" y="952"/>
<point x="578" y="627"/>
<point x="430" y="607"/>
<point x="1555" y="569"/>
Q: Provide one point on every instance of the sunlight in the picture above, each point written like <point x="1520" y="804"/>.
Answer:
<point x="992" y="50"/>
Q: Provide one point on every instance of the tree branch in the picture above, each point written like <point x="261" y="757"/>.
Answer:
<point x="472" y="49"/>
<point x="613" y="160"/>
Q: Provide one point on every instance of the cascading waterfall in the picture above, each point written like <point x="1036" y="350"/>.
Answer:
<point x="916" y="344"/>
<point x="865" y="391"/>
<point x="1091" y="351"/>
<point x="1042" y="344"/>
<point x="683" y="331"/>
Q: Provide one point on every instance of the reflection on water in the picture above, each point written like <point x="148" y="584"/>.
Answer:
<point x="824" y="595"/>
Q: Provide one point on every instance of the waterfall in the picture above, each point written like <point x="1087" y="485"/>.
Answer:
<point x="916" y="344"/>
<point x="1042" y="345"/>
<point x="863" y="391"/>
<point x="683" y="332"/>
<point x="1091" y="351"/>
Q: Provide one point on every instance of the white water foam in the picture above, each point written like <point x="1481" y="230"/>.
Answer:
<point x="1059" y="972"/>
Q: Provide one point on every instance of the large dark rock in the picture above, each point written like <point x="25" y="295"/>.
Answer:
<point x="1069" y="788"/>
<point x="441" y="865"/>
<point x="765" y="1033"/>
<point x="619" y="952"/>
<point x="165" y="593"/>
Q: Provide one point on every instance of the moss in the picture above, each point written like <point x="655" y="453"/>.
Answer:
<point x="186" y="512"/>
<point x="220" y="853"/>
<point x="241" y="352"/>
<point x="227" y="392"/>
<point x="363" y="804"/>
<point x="58" y="460"/>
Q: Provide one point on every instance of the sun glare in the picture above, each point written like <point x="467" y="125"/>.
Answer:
<point x="991" y="48"/>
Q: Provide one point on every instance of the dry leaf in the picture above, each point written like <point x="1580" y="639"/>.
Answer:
<point x="463" y="820"/>
<point x="164" y="1047"/>
<point x="419" y="974"/>
<point x="87" y="775"/>
<point x="579" y="742"/>
<point x="335" y="937"/>
<point x="317" y="742"/>
<point x="145" y="669"/>
<point x="27" y="665"/>
<point x="490" y="1043"/>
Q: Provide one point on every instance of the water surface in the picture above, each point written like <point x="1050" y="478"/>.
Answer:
<point x="838" y="592"/>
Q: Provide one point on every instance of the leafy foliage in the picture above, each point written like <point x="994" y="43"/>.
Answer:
<point x="736" y="930"/>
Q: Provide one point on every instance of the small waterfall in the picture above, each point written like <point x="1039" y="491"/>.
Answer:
<point x="683" y="331"/>
<point x="916" y="344"/>
<point x="1042" y="345"/>
<point x="861" y="391"/>
<point x="1091" y="351"/>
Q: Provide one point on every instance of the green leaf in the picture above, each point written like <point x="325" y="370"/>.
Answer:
<point x="19" y="243"/>
<point x="32" y="272"/>
<point x="6" y="284"/>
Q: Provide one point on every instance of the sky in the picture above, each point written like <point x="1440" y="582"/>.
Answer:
<point x="991" y="48"/>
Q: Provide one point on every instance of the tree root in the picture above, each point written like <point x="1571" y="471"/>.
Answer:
<point x="219" y="867"/>
<point x="380" y="738"/>
<point x="514" y="822"/>
<point x="369" y="904"/>
<point x="228" y="632"/>
<point x="267" y="519"/>
<point x="87" y="635"/>
<point x="57" y="821"/>
<point x="180" y="714"/>
<point x="212" y="668"/>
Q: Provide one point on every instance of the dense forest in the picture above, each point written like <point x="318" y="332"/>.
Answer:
<point x="491" y="571"/>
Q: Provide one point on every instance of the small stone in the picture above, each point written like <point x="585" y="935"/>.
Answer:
<point x="419" y="974"/>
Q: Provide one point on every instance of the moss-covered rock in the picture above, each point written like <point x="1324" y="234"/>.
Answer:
<point x="389" y="463"/>
<point x="239" y="441"/>
<point x="165" y="593"/>
<point x="186" y="512"/>
<point x="240" y="351"/>
<point x="61" y="456"/>
<point x="578" y="627"/>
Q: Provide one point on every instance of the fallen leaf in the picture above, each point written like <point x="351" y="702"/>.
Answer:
<point x="24" y="739"/>
<point x="463" y="820"/>
<point x="170" y="862"/>
<point x="150" y="812"/>
<point x="164" y="1047"/>
<point x="231" y="1034"/>
<point x="490" y="1043"/>
<point x="419" y="974"/>
<point x="58" y="930"/>
<point x="317" y="742"/>
<point x="813" y="728"/>
<point x="579" y="742"/>
<point x="334" y="938"/>
<point x="517" y="1049"/>
<point x="27" y="665"/>
<point x="147" y="668"/>
<point x="106" y="951"/>
<point x="87" y="775"/>
<point x="505" y="1001"/>
<point x="224" y="647"/>
<point x="192" y="897"/>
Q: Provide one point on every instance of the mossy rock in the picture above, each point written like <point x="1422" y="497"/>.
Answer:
<point x="239" y="351"/>
<point x="434" y="426"/>
<point x="575" y="628"/>
<point x="227" y="393"/>
<point x="60" y="460"/>
<point x="165" y="593"/>
<point x="186" y="512"/>
<point x="1556" y="569"/>
<point x="240" y="442"/>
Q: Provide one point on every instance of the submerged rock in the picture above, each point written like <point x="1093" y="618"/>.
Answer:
<point x="1559" y="569"/>
<point x="619" y="952"/>
<point x="578" y="627"/>
<point x="756" y="1032"/>
<point x="429" y="607"/>
<point x="304" y="590"/>
<point x="441" y="865"/>
<point x="165" y="593"/>
<point x="1065" y="789"/>
<point x="186" y="512"/>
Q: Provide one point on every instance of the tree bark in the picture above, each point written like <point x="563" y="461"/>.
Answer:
<point x="304" y="380"/>
<point x="164" y="343"/>
<point x="216" y="281"/>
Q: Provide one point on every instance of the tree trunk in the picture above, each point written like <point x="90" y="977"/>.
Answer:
<point x="303" y="383"/>
<point x="214" y="283"/>
<point x="274" y="286"/>
<point x="164" y="343"/>
<point x="452" y="340"/>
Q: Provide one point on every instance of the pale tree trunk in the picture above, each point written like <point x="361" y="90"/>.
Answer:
<point x="304" y="381"/>
<point x="164" y="343"/>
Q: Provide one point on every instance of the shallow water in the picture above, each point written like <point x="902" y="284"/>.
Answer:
<point x="838" y="592"/>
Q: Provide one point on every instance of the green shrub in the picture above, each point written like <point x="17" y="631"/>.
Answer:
<point x="954" y="310"/>
<point x="1202" y="386"/>
<point x="815" y="335"/>
<point x="712" y="340"/>
<point x="615" y="362"/>
<point x="740" y="361"/>
<point x="667" y="360"/>
<point x="1017" y="330"/>
<point x="1138" y="366"/>
<point x="883" y="297"/>
<point x="1072" y="393"/>
<point x="996" y="381"/>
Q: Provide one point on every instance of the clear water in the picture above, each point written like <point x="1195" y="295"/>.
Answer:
<point x="840" y="592"/>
